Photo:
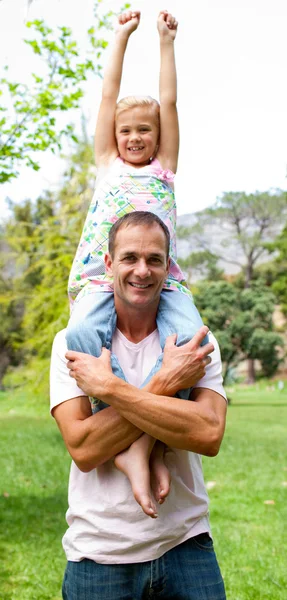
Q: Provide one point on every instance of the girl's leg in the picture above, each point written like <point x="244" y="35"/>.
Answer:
<point x="134" y="463"/>
<point x="91" y="326"/>
<point x="160" y="475"/>
<point x="92" y="323"/>
<point x="176" y="314"/>
<point x="143" y="464"/>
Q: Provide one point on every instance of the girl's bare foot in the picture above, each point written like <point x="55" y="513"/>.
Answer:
<point x="160" y="475"/>
<point x="134" y="463"/>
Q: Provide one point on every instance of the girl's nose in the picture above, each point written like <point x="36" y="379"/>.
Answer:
<point x="134" y="136"/>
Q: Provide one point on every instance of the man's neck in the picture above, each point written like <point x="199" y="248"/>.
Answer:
<point x="135" y="325"/>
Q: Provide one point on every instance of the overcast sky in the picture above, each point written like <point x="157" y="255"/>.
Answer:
<point x="232" y="89"/>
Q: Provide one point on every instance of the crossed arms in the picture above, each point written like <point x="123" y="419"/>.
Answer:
<point x="195" y="426"/>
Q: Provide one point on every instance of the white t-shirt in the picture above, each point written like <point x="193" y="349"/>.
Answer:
<point x="105" y="522"/>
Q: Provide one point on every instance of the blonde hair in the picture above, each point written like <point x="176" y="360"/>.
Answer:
<point x="133" y="101"/>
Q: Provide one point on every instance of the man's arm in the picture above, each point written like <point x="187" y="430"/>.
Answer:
<point x="93" y="439"/>
<point x="197" y="426"/>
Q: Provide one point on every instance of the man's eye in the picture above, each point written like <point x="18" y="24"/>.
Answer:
<point x="155" y="260"/>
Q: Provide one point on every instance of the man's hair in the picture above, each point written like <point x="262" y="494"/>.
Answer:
<point x="134" y="101"/>
<point x="138" y="217"/>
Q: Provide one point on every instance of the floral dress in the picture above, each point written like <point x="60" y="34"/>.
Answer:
<point x="123" y="189"/>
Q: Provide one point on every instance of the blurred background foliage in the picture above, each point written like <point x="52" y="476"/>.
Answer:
<point x="39" y="238"/>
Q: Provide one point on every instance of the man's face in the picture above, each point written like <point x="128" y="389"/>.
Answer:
<point x="139" y="266"/>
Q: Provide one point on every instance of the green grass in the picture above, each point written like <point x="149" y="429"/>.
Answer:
<point x="34" y="468"/>
<point x="251" y="467"/>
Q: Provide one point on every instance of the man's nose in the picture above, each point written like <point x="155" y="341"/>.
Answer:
<point x="142" y="269"/>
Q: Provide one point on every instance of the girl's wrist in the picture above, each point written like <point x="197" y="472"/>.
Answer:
<point x="122" y="35"/>
<point x="166" y="40"/>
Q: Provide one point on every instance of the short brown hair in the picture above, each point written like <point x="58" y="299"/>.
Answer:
<point x="138" y="217"/>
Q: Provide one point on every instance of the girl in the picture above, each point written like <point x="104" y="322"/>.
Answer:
<point x="136" y="152"/>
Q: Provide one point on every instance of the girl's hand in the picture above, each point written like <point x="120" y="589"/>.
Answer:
<point x="167" y="25"/>
<point x="129" y="21"/>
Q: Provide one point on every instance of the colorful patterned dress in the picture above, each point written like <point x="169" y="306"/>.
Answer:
<point x="123" y="189"/>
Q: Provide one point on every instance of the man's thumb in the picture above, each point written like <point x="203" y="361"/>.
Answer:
<point x="171" y="340"/>
<point x="106" y="353"/>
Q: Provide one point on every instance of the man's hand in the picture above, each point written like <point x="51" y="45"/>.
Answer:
<point x="129" y="21"/>
<point x="91" y="373"/>
<point x="183" y="366"/>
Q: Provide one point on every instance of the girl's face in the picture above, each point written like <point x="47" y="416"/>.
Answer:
<point x="137" y="133"/>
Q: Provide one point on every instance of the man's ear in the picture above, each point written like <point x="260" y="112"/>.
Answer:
<point x="108" y="264"/>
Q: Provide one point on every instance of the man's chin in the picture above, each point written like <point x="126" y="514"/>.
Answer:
<point x="140" y="299"/>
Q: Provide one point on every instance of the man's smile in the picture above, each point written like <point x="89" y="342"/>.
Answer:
<point x="141" y="286"/>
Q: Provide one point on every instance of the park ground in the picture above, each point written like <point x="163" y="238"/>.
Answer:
<point x="247" y="484"/>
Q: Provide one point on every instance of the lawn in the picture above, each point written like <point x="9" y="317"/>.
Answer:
<point x="247" y="483"/>
<point x="249" y="497"/>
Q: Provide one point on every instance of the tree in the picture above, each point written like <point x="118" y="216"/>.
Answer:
<point x="246" y="223"/>
<point x="39" y="242"/>
<point x="279" y="286"/>
<point x="242" y="322"/>
<point x="11" y="310"/>
<point x="30" y="113"/>
<point x="204" y="262"/>
<point x="40" y="238"/>
<point x="47" y="310"/>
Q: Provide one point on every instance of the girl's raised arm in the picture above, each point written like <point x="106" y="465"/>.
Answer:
<point x="169" y="130"/>
<point x="105" y="141"/>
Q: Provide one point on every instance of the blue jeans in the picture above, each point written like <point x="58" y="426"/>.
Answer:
<point x="187" y="572"/>
<point x="94" y="318"/>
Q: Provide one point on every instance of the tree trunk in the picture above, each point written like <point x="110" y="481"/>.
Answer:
<point x="248" y="274"/>
<point x="250" y="371"/>
<point x="4" y="364"/>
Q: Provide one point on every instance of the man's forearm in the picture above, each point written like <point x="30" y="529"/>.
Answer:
<point x="196" y="426"/>
<point x="94" y="439"/>
<point x="180" y="424"/>
<point x="100" y="437"/>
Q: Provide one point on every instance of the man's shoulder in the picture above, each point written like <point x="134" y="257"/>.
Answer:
<point x="213" y="371"/>
<point x="59" y="343"/>
<point x="60" y="335"/>
<point x="62" y="386"/>
<point x="213" y="341"/>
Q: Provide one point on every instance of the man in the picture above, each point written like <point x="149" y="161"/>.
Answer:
<point x="114" y="550"/>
